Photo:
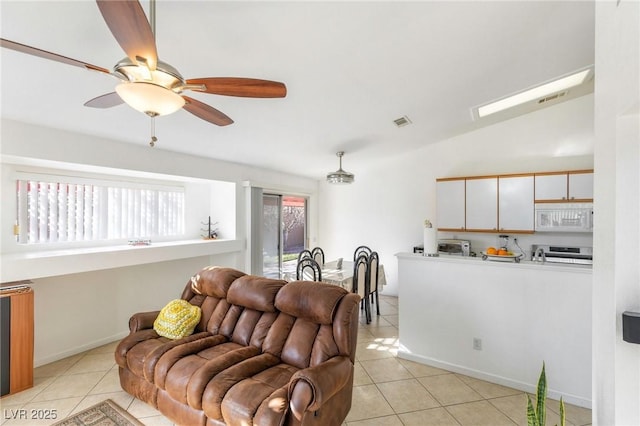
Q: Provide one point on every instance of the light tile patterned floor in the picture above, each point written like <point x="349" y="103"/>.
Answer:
<point x="387" y="390"/>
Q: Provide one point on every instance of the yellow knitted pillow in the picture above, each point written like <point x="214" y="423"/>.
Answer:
<point x="177" y="320"/>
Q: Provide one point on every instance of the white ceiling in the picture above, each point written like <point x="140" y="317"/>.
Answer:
<point x="350" y="68"/>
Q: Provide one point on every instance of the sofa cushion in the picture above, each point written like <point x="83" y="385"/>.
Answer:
<point x="254" y="292"/>
<point x="214" y="281"/>
<point x="177" y="319"/>
<point x="310" y="300"/>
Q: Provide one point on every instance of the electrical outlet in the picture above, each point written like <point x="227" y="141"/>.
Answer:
<point x="477" y="344"/>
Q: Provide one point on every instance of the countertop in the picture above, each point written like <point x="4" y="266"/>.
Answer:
<point x="507" y="263"/>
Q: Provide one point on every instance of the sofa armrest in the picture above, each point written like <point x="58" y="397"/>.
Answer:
<point x="142" y="321"/>
<point x="313" y="386"/>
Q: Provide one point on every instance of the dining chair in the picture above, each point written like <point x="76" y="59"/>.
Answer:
<point x="361" y="250"/>
<point x="318" y="255"/>
<point x="361" y="284"/>
<point x="308" y="264"/>
<point x="372" y="270"/>
<point x="304" y="254"/>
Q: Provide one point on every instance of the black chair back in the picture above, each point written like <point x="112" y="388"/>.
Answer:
<point x="308" y="270"/>
<point x="304" y="254"/>
<point x="318" y="255"/>
<point x="374" y="262"/>
<point x="361" y="283"/>
<point x="361" y="250"/>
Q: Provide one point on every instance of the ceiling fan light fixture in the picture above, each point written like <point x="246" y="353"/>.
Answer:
<point x="340" y="176"/>
<point x="150" y="98"/>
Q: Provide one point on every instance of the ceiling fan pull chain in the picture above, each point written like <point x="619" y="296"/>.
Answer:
<point x="153" y="133"/>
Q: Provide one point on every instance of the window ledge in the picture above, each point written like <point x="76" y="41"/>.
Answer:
<point x="31" y="265"/>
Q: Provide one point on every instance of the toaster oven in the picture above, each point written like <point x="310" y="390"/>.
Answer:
<point x="454" y="247"/>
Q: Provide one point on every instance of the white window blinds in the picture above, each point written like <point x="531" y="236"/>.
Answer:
<point x="60" y="211"/>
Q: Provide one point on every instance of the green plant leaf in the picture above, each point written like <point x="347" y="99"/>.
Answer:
<point x="542" y="396"/>
<point x="561" y="412"/>
<point x="532" y="419"/>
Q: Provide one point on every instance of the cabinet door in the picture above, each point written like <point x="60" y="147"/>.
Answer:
<point x="581" y="186"/>
<point x="551" y="187"/>
<point x="482" y="204"/>
<point x="450" y="204"/>
<point x="515" y="203"/>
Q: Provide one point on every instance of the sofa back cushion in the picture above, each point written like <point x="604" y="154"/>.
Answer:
<point x="303" y="334"/>
<point x="207" y="289"/>
<point x="313" y="301"/>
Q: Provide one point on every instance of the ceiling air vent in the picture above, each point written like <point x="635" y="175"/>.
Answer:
<point x="553" y="97"/>
<point x="402" y="121"/>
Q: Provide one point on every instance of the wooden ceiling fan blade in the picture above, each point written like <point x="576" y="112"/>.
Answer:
<point x="105" y="101"/>
<point x="242" y="87"/>
<point x="206" y="112"/>
<point x="29" y="50"/>
<point x="129" y="25"/>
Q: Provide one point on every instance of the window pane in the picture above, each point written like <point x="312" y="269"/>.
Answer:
<point x="54" y="211"/>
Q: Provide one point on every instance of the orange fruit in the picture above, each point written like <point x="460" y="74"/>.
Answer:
<point x="503" y="252"/>
<point x="492" y="250"/>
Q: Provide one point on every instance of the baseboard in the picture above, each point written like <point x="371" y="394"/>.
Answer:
<point x="78" y="349"/>
<point x="500" y="380"/>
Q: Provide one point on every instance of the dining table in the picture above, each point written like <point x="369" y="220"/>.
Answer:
<point x="339" y="276"/>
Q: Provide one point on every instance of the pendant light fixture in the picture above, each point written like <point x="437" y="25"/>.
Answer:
<point x="340" y="176"/>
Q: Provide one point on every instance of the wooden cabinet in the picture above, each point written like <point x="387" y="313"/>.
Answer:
<point x="515" y="203"/>
<point x="450" y="204"/>
<point x="16" y="350"/>
<point x="575" y="186"/>
<point x="482" y="204"/>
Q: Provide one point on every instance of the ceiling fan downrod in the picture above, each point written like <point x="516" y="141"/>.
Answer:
<point x="152" y="17"/>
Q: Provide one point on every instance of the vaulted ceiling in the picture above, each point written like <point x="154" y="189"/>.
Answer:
<point x="351" y="69"/>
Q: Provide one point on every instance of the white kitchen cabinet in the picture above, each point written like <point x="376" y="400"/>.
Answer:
<point x="515" y="203"/>
<point x="565" y="186"/>
<point x="580" y="186"/>
<point x="482" y="204"/>
<point x="551" y="187"/>
<point x="450" y="204"/>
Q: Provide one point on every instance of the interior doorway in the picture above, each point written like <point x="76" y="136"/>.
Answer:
<point x="284" y="232"/>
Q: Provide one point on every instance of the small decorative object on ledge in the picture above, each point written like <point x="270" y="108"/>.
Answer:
<point x="139" y="242"/>
<point x="430" y="239"/>
<point x="211" y="232"/>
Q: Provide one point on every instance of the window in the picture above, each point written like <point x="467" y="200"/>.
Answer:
<point x="54" y="209"/>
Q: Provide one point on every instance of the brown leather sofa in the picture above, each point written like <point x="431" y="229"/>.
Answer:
<point x="264" y="353"/>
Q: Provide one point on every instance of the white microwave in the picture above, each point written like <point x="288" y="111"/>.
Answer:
<point x="564" y="217"/>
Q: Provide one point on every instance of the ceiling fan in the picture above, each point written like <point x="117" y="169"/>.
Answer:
<point x="148" y="84"/>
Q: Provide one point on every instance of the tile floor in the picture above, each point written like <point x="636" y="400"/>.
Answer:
<point x="387" y="390"/>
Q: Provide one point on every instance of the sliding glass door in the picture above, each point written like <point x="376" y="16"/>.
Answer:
<point x="284" y="232"/>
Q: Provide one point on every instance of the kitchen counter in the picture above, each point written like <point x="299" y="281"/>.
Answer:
<point x="523" y="264"/>
<point x="499" y="321"/>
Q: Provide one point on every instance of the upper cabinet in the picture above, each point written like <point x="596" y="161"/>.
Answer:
<point x="482" y="204"/>
<point x="576" y="186"/>
<point x="486" y="204"/>
<point x="450" y="204"/>
<point x="515" y="203"/>
<point x="506" y="203"/>
<point x="581" y="186"/>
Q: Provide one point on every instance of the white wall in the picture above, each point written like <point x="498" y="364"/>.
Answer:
<point x="524" y="314"/>
<point x="386" y="206"/>
<point x="616" y="364"/>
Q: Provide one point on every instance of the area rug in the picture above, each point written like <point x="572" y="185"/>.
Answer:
<point x="105" y="413"/>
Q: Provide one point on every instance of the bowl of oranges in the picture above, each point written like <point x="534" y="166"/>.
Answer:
<point x="501" y="253"/>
